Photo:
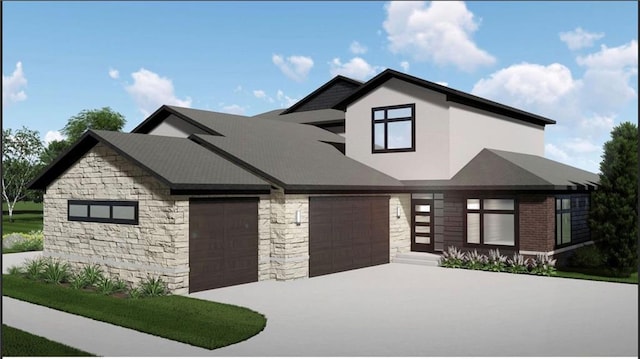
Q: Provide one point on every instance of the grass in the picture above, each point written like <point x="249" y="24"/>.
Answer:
<point x="633" y="279"/>
<point x="16" y="342"/>
<point x="27" y="216"/>
<point x="23" y="206"/>
<point x="193" y="321"/>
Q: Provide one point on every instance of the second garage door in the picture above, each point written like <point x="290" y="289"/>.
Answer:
<point x="347" y="233"/>
<point x="223" y="243"/>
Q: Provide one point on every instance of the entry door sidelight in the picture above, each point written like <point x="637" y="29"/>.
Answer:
<point x="421" y="225"/>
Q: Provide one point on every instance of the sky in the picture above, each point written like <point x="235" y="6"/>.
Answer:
<point x="574" y="62"/>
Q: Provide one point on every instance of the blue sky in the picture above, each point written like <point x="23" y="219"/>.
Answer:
<point x="576" y="62"/>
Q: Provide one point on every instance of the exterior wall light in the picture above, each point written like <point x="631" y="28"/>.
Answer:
<point x="298" y="220"/>
<point x="398" y="212"/>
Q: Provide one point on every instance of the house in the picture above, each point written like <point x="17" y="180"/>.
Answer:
<point x="350" y="176"/>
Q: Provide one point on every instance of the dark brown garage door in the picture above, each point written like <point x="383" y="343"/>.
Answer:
<point x="347" y="233"/>
<point x="223" y="243"/>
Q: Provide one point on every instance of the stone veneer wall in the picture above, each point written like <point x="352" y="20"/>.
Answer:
<point x="289" y="241"/>
<point x="399" y="228"/>
<point x="157" y="246"/>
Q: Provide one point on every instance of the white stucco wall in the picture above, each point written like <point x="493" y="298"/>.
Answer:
<point x="430" y="160"/>
<point x="471" y="130"/>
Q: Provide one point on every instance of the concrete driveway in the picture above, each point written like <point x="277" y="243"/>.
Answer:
<point x="410" y="310"/>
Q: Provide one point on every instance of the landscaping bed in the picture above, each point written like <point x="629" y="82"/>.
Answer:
<point x="18" y="343"/>
<point x="146" y="308"/>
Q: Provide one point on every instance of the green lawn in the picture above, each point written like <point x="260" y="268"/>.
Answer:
<point x="633" y="279"/>
<point x="23" y="222"/>
<point x="17" y="343"/>
<point x="193" y="321"/>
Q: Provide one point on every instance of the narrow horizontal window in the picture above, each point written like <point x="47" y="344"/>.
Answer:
<point x="119" y="212"/>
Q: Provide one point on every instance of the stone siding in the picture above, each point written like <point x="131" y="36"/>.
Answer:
<point x="289" y="241"/>
<point x="157" y="246"/>
<point x="399" y="228"/>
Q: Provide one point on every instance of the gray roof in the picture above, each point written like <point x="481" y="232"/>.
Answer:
<point x="178" y="162"/>
<point x="503" y="170"/>
<point x="314" y="117"/>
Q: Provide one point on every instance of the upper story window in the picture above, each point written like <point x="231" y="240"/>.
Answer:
<point x="393" y="128"/>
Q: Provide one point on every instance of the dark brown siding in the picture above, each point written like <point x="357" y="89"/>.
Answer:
<point x="453" y="222"/>
<point x="537" y="223"/>
<point x="223" y="243"/>
<point x="347" y="233"/>
<point x="580" y="232"/>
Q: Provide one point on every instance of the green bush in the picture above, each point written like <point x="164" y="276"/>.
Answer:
<point x="153" y="287"/>
<point x="23" y="242"/>
<point x="452" y="258"/>
<point x="496" y="262"/>
<point x="56" y="271"/>
<point x="92" y="275"/>
<point x="586" y="257"/>
<point x="34" y="268"/>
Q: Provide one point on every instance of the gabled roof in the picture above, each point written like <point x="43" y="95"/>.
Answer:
<point x="502" y="170"/>
<point x="313" y="117"/>
<point x="179" y="163"/>
<point x="451" y="94"/>
<point x="326" y="96"/>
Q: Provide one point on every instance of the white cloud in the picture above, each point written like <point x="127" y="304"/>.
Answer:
<point x="234" y="109"/>
<point x="259" y="94"/>
<point x="294" y="67"/>
<point x="238" y="88"/>
<point x="578" y="39"/>
<point x="285" y="101"/>
<point x="150" y="91"/>
<point x="526" y="84"/>
<point x="439" y="31"/>
<point x="585" y="107"/>
<point x="114" y="74"/>
<point x="13" y="86"/>
<point x="405" y="66"/>
<point x="554" y="153"/>
<point x="356" y="68"/>
<point x="357" y="48"/>
<point x="51" y="136"/>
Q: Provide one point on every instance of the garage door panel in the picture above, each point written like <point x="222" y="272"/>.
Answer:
<point x="347" y="234"/>
<point x="223" y="243"/>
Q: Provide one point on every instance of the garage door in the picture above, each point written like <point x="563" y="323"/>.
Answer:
<point x="223" y="243"/>
<point x="347" y="233"/>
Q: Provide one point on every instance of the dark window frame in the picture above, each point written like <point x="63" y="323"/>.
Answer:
<point x="111" y="204"/>
<point x="386" y="121"/>
<point x="562" y="211"/>
<point x="482" y="211"/>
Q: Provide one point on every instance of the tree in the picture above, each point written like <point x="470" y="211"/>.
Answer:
<point x="98" y="119"/>
<point x="52" y="151"/>
<point x="614" y="209"/>
<point x="20" y="163"/>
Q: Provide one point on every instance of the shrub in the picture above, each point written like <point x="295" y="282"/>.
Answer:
<point x="15" y="270"/>
<point x="153" y="287"/>
<point x="452" y="258"/>
<point x="78" y="281"/>
<point x="543" y="265"/>
<point x="475" y="260"/>
<point x="23" y="242"/>
<point x="119" y="286"/>
<point x="135" y="293"/>
<point x="56" y="271"/>
<point x="34" y="268"/>
<point x="92" y="274"/>
<point x="517" y="264"/>
<point x="106" y="286"/>
<point x="497" y="262"/>
<point x="586" y="257"/>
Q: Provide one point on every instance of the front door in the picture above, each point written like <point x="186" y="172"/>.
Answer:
<point x="421" y="220"/>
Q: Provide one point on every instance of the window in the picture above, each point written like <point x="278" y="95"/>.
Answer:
<point x="563" y="220"/>
<point x="491" y="222"/>
<point x="122" y="212"/>
<point x="393" y="129"/>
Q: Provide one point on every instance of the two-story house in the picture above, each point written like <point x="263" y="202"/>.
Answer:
<point x="353" y="175"/>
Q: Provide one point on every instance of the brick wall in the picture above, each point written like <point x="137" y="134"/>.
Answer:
<point x="537" y="223"/>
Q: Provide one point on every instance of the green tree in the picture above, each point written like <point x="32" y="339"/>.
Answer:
<point x="98" y="119"/>
<point x="614" y="210"/>
<point x="20" y="164"/>
<point x="52" y="151"/>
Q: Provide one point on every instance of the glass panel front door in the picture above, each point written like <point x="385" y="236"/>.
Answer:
<point x="421" y="220"/>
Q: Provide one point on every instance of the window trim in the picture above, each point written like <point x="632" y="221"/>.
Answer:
<point x="386" y="121"/>
<point x="481" y="212"/>
<point x="561" y="212"/>
<point x="111" y="204"/>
